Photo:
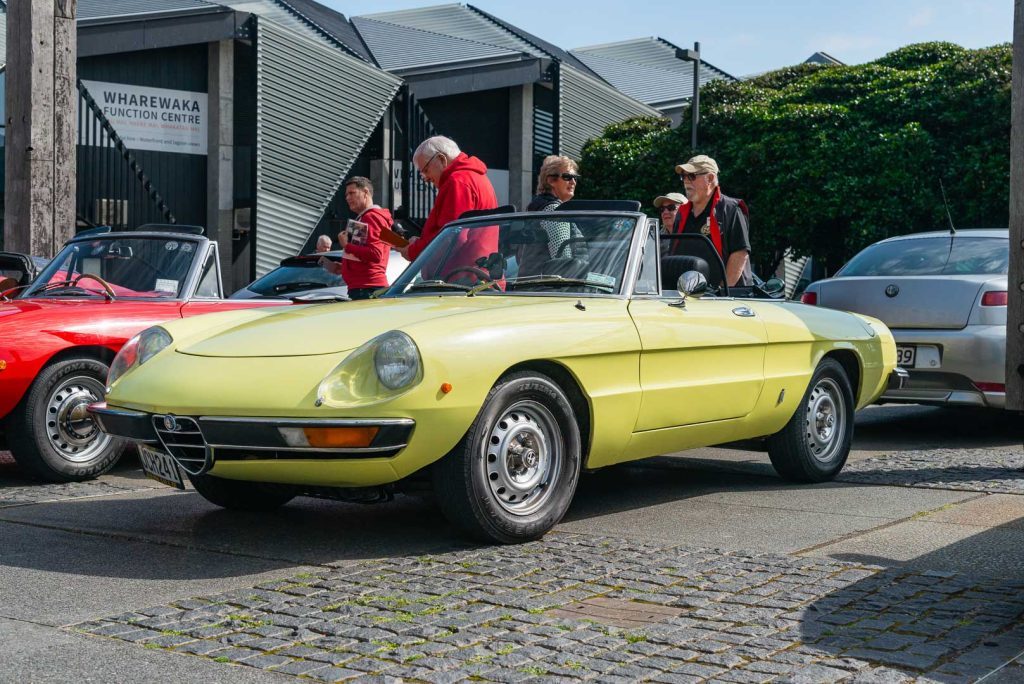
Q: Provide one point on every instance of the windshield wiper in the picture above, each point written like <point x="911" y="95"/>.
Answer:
<point x="440" y="284"/>
<point x="481" y="286"/>
<point x="557" y="280"/>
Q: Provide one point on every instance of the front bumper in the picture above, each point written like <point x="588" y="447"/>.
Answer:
<point x="206" y="443"/>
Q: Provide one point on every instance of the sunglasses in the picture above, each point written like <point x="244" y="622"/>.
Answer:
<point x="668" y="207"/>
<point x="566" y="176"/>
<point x="691" y="176"/>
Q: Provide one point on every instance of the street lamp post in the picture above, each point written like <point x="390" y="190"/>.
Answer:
<point x="693" y="56"/>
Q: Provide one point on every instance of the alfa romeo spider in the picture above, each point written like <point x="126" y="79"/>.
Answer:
<point x="517" y="350"/>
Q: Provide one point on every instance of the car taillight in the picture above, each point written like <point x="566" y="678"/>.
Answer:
<point x="991" y="386"/>
<point x="809" y="298"/>
<point x="994" y="298"/>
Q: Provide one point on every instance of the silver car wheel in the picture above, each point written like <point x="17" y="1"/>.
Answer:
<point x="69" y="429"/>
<point x="826" y="420"/>
<point x="523" y="456"/>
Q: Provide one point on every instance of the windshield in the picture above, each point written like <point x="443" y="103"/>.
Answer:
<point x="939" y="255"/>
<point x="294" y="278"/>
<point x="573" y="254"/>
<point x="133" y="267"/>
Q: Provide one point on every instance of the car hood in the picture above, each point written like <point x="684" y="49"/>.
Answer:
<point x="330" y="328"/>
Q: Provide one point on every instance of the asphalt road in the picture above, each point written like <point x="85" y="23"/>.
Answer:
<point x="76" y="553"/>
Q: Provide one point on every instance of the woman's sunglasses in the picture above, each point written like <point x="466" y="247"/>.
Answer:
<point x="566" y="176"/>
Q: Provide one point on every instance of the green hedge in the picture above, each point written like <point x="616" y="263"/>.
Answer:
<point x="833" y="158"/>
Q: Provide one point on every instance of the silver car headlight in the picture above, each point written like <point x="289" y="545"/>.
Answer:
<point x="383" y="368"/>
<point x="137" y="351"/>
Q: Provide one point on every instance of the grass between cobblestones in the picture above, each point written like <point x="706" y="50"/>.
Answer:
<point x="481" y="614"/>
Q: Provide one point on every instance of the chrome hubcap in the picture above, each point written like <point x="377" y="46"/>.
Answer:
<point x="69" y="428"/>
<point x="523" y="457"/>
<point x="826" y="420"/>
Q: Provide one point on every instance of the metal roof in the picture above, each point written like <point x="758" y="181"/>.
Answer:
<point x="458" y="21"/>
<point x="587" y="105"/>
<point x="647" y="69"/>
<point x="421" y="49"/>
<point x="333" y="23"/>
<point x="106" y="9"/>
<point x="316" y="108"/>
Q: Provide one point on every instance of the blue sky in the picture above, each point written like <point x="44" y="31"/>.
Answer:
<point x="748" y="36"/>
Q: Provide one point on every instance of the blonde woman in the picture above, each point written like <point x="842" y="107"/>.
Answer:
<point x="556" y="183"/>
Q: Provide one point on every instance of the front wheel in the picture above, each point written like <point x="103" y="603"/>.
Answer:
<point x="814" y="444"/>
<point x="513" y="475"/>
<point x="241" y="496"/>
<point x="51" y="435"/>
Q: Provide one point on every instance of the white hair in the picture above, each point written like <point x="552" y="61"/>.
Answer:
<point x="436" y="145"/>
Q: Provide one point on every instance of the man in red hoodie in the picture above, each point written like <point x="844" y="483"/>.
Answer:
<point x="462" y="185"/>
<point x="365" y="263"/>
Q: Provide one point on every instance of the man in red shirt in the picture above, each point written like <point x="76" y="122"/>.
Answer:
<point x="462" y="185"/>
<point x="365" y="262"/>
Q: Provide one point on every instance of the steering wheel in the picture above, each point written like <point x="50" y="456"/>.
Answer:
<point x="101" y="281"/>
<point x="478" y="272"/>
<point x="566" y="243"/>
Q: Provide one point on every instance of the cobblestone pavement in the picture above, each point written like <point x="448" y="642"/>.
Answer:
<point x="17" y="489"/>
<point x="485" y="614"/>
<point x="977" y="470"/>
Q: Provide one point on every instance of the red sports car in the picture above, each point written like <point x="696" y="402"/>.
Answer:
<point x="59" y="334"/>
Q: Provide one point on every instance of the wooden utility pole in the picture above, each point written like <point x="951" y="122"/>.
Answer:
<point x="1015" y="278"/>
<point x="39" y="213"/>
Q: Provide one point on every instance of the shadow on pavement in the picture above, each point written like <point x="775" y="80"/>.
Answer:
<point x="106" y="536"/>
<point x="955" y="626"/>
<point x="896" y="427"/>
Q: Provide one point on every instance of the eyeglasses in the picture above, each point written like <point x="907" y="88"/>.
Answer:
<point x="691" y="176"/>
<point x="669" y="207"/>
<point x="423" y="169"/>
<point x="566" y="176"/>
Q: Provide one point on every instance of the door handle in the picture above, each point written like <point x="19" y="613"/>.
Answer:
<point x="744" y="311"/>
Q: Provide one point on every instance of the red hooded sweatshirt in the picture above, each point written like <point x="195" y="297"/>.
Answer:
<point x="373" y="253"/>
<point x="463" y="186"/>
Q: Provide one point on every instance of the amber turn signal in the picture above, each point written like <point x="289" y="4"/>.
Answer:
<point x="332" y="437"/>
<point x="446" y="387"/>
<point x="3" y="364"/>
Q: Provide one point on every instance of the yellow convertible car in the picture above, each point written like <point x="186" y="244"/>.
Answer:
<point x="517" y="350"/>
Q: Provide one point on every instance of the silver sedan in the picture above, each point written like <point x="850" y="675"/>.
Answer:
<point x="943" y="295"/>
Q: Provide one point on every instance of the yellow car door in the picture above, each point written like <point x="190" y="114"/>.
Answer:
<point x="699" y="362"/>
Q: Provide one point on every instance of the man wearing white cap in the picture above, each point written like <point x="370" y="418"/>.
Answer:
<point x="711" y="213"/>
<point x="667" y="205"/>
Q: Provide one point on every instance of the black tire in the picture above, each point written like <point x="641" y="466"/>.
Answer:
<point x="239" y="495"/>
<point x="815" y="443"/>
<point x="513" y="475"/>
<point x="51" y="436"/>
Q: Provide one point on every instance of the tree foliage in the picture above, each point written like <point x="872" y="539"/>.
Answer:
<point x="833" y="158"/>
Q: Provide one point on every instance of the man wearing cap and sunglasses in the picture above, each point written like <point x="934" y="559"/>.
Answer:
<point x="667" y="205"/>
<point x="711" y="213"/>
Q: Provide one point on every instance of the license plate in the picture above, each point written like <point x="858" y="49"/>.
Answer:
<point x="905" y="356"/>
<point x="160" y="467"/>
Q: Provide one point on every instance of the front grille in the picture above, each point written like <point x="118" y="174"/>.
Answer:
<point x="183" y="440"/>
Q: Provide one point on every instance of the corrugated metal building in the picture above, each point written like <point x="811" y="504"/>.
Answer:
<point x="651" y="70"/>
<point x="291" y="97"/>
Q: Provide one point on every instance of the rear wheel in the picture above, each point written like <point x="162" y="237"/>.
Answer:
<point x="52" y="436"/>
<point x="814" y="444"/>
<point x="513" y="475"/>
<point x="242" y="496"/>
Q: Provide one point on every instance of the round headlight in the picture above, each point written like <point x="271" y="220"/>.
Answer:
<point x="137" y="351"/>
<point x="396" y="360"/>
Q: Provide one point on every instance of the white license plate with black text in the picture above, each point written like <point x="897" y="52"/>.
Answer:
<point x="160" y="467"/>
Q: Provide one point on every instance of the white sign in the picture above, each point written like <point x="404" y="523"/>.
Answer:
<point x="155" y="119"/>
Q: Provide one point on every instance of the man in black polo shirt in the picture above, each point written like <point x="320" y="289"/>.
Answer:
<point x="711" y="213"/>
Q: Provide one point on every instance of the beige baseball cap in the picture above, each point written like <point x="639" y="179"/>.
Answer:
<point x="674" y="197"/>
<point x="702" y="163"/>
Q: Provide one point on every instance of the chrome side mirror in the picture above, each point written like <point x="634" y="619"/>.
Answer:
<point x="773" y="286"/>
<point x="692" y="284"/>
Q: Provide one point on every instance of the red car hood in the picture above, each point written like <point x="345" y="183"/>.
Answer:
<point x="29" y="321"/>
